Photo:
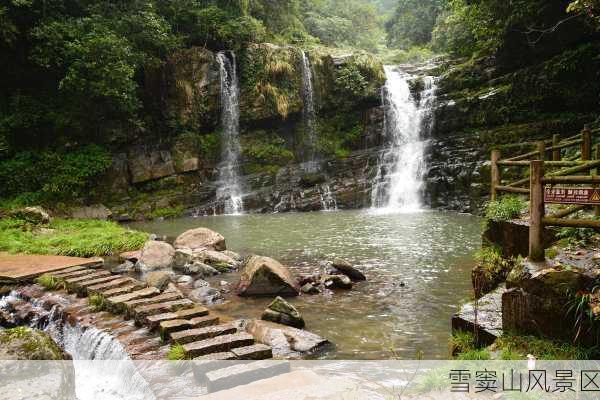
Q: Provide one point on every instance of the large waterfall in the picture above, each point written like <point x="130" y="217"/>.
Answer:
<point x="229" y="190"/>
<point x="408" y="121"/>
<point x="309" y="114"/>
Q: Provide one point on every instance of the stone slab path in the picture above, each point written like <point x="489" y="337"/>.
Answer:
<point x="174" y="319"/>
<point x="21" y="267"/>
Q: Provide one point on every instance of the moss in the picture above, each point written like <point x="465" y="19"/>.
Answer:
<point x="80" y="238"/>
<point x="23" y="343"/>
<point x="166" y="212"/>
<point x="264" y="152"/>
<point x="339" y="135"/>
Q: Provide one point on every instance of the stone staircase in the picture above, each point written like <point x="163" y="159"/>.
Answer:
<point x="176" y="319"/>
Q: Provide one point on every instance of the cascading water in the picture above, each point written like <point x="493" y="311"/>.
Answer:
<point x="328" y="201"/>
<point x="229" y="190"/>
<point x="400" y="167"/>
<point x="309" y="115"/>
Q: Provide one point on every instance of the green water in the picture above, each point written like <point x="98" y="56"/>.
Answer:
<point x="431" y="252"/>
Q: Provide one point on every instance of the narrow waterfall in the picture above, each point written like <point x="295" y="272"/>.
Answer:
<point x="328" y="201"/>
<point x="400" y="167"/>
<point x="229" y="190"/>
<point x="308" y="114"/>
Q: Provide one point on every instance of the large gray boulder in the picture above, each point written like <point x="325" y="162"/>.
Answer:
<point x="155" y="255"/>
<point x="264" y="276"/>
<point x="33" y="215"/>
<point x="200" y="238"/>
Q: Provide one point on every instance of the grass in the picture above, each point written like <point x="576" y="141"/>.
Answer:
<point x="435" y="380"/>
<point x="168" y="212"/>
<point x="78" y="238"/>
<point x="48" y="282"/>
<point x="476" y="354"/>
<point x="505" y="209"/>
<point x="518" y="347"/>
<point x="462" y="341"/>
<point x="176" y="353"/>
<point x="97" y="302"/>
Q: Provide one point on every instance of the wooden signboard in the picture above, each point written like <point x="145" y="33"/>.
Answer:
<point x="562" y="195"/>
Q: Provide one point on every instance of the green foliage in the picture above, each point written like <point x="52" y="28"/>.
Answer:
<point x="50" y="175"/>
<point x="265" y="152"/>
<point x="412" y="23"/>
<point x="462" y="341"/>
<point x="476" y="355"/>
<point x="79" y="238"/>
<point x="579" y="237"/>
<point x="589" y="8"/>
<point x="339" y="135"/>
<point x="435" y="380"/>
<point x="351" y="80"/>
<point x="580" y="306"/>
<point x="505" y="209"/>
<point x="97" y="302"/>
<point x="490" y="260"/>
<point x="48" y="282"/>
<point x="176" y="353"/>
<point x="167" y="212"/>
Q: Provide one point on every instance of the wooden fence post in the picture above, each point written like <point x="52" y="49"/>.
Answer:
<point x="536" y="211"/>
<point x="541" y="147"/>
<point x="586" y="145"/>
<point x="555" y="152"/>
<point x="495" y="172"/>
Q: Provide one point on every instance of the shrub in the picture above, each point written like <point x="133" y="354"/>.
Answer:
<point x="97" y="302"/>
<point x="505" y="209"/>
<point x="48" y="282"/>
<point x="176" y="353"/>
<point x="462" y="341"/>
<point x="167" y="212"/>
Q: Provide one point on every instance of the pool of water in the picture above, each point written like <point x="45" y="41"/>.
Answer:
<point x="430" y="252"/>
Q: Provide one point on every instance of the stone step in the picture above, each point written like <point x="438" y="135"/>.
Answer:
<point x="217" y="344"/>
<point x="242" y="374"/>
<point x="129" y="306"/>
<point x="81" y="287"/>
<point x="175" y="325"/>
<point x="154" y="321"/>
<point x="195" y="335"/>
<point x="72" y="274"/>
<point x="122" y="290"/>
<point x="255" y="352"/>
<point x="93" y="275"/>
<point x="141" y="312"/>
<point x="68" y="270"/>
<point x="119" y="282"/>
<point x="116" y="304"/>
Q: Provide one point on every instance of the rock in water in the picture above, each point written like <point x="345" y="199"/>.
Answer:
<point x="183" y="257"/>
<point x="336" y="282"/>
<point x="264" y="276"/>
<point x="309" y="288"/>
<point x="284" y="339"/>
<point x="201" y="238"/>
<point x="206" y="295"/>
<point x="158" y="279"/>
<point x="347" y="269"/>
<point x="28" y="344"/>
<point x="155" y="255"/>
<point x="282" y="312"/>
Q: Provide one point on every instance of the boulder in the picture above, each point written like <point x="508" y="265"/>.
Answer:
<point x="197" y="268"/>
<point x="309" y="288"/>
<point x="282" y="312"/>
<point x="347" y="269"/>
<point x="155" y="255"/>
<point x="96" y="211"/>
<point x="132" y="256"/>
<point x="200" y="238"/>
<point x="200" y="283"/>
<point x="282" y="338"/>
<point x="336" y="282"/>
<point x="264" y="276"/>
<point x="158" y="279"/>
<point x="206" y="295"/>
<point x="23" y="343"/>
<point x="233" y="255"/>
<point x="123" y="268"/>
<point x="185" y="280"/>
<point x="183" y="256"/>
<point x="33" y="215"/>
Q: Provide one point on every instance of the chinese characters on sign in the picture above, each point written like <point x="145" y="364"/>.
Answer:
<point x="558" y="381"/>
<point x="560" y="195"/>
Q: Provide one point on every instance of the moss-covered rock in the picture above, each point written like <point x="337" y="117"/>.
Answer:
<point x="28" y="344"/>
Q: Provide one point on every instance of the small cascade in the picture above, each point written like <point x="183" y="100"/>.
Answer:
<point x="407" y="123"/>
<point x="328" y="201"/>
<point x="309" y="115"/>
<point x="229" y="189"/>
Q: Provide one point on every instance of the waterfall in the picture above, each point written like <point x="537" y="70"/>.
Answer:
<point x="308" y="114"/>
<point x="407" y="122"/>
<point x="328" y="201"/>
<point x="229" y="190"/>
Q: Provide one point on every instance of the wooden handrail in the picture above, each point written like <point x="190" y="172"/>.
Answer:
<point x="511" y="189"/>
<point x="525" y="163"/>
<point x="585" y="167"/>
<point x="568" y="211"/>
<point x="595" y="179"/>
<point x="571" y="223"/>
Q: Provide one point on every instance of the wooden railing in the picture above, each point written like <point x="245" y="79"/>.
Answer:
<point x="547" y="169"/>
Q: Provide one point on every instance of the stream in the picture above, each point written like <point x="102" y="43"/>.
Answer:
<point x="417" y="264"/>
